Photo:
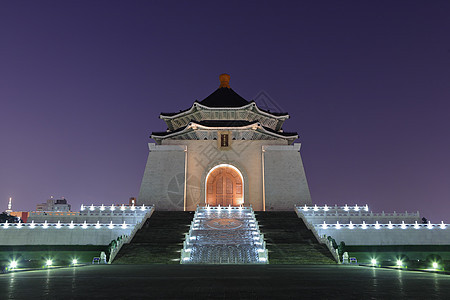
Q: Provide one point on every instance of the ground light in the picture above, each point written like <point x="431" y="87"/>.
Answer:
<point x="49" y="262"/>
<point x="13" y="264"/>
<point x="373" y="261"/>
<point x="435" y="265"/>
<point x="399" y="263"/>
<point x="74" y="261"/>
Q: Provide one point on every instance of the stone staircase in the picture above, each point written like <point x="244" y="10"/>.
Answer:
<point x="224" y="235"/>
<point x="289" y="241"/>
<point x="159" y="241"/>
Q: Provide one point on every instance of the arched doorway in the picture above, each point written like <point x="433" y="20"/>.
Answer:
<point x="224" y="186"/>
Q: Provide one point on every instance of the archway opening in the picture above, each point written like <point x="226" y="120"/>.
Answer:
<point x="224" y="186"/>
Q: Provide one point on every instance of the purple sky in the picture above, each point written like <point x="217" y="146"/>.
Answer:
<point x="367" y="85"/>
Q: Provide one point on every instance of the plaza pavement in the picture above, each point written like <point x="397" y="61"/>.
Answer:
<point x="223" y="282"/>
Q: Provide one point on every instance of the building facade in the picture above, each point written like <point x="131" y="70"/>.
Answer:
<point x="54" y="205"/>
<point x="224" y="150"/>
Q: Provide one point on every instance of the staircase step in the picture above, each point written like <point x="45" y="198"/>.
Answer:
<point x="289" y="241"/>
<point x="159" y="241"/>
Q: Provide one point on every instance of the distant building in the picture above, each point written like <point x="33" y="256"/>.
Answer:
<point x="54" y="205"/>
<point x="22" y="215"/>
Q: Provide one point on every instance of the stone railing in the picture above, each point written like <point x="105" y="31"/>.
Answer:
<point x="60" y="225"/>
<point x="377" y="225"/>
<point x="122" y="208"/>
<point x="128" y="239"/>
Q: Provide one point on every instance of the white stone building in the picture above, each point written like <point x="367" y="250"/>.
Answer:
<point x="224" y="150"/>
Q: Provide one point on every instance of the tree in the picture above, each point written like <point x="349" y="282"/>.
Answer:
<point x="5" y="217"/>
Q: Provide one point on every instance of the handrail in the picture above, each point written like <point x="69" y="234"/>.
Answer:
<point x="128" y="239"/>
<point x="319" y="238"/>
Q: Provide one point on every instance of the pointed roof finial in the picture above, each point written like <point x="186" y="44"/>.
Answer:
<point x="224" y="80"/>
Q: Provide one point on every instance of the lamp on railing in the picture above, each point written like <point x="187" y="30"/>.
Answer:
<point x="350" y="225"/>
<point x="364" y="225"/>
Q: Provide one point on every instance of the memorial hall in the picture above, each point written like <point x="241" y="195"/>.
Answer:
<point x="224" y="184"/>
<point x="224" y="150"/>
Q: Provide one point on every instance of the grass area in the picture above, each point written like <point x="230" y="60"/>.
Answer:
<point x="411" y="256"/>
<point x="36" y="256"/>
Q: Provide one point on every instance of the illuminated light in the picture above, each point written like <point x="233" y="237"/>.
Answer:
<point x="366" y="208"/>
<point x="19" y="225"/>
<point x="416" y="225"/>
<point x="260" y="250"/>
<point x="356" y="207"/>
<point x="143" y="207"/>
<point x="133" y="207"/>
<point x="364" y="225"/>
<point x="45" y="226"/>
<point x="49" y="262"/>
<point x="256" y="237"/>
<point x="32" y="225"/>
<point x="192" y="238"/>
<point x="262" y="259"/>
<point x="111" y="226"/>
<point x="399" y="263"/>
<point x="305" y="208"/>
<point x="435" y="265"/>
<point x="92" y="207"/>
<point x="124" y="225"/>
<point x="122" y="207"/>
<point x="74" y="261"/>
<point x="84" y="226"/>
<point x="112" y="207"/>
<point x="97" y="226"/>
<point x="71" y="226"/>
<point x="315" y="207"/>
<point x="185" y="258"/>
<point x="188" y="250"/>
<point x="429" y="226"/>
<point x="102" y="207"/>
<point x="324" y="225"/>
<point x="346" y="207"/>
<point x="338" y="226"/>
<point x="351" y="226"/>
<point x="58" y="225"/>
<point x="403" y="225"/>
<point x="442" y="225"/>
<point x="326" y="208"/>
<point x="5" y="225"/>
<point x="377" y="226"/>
<point x="390" y="225"/>
<point x="82" y="207"/>
<point x="373" y="261"/>
<point x="13" y="264"/>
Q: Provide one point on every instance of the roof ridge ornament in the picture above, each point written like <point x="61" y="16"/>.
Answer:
<point x="224" y="80"/>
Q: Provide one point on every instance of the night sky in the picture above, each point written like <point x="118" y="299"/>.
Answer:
<point x="366" y="83"/>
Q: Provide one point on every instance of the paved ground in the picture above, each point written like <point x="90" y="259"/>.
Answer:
<point x="223" y="282"/>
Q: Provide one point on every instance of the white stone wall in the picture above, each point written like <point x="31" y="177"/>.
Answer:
<point x="164" y="177"/>
<point x="385" y="236"/>
<point x="80" y="234"/>
<point x="163" y="181"/>
<point x="284" y="177"/>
